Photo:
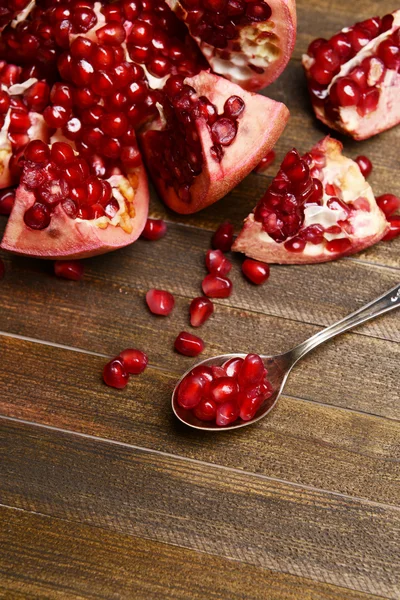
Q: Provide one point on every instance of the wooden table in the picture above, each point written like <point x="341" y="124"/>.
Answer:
<point x="105" y="495"/>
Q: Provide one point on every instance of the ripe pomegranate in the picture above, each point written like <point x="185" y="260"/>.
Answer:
<point x="209" y="136"/>
<point x="319" y="207"/>
<point x="249" y="42"/>
<point x="353" y="77"/>
<point x="63" y="209"/>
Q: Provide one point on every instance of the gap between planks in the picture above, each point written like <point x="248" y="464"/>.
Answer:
<point x="202" y="463"/>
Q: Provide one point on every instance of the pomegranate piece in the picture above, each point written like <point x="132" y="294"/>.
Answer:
<point x="223" y="389"/>
<point x="66" y="208"/>
<point x="223" y="237"/>
<point x="353" y="77"/>
<point x="188" y="344"/>
<point x="200" y="310"/>
<point x="227" y="413"/>
<point x="255" y="271"/>
<point x="191" y="391"/>
<point x="265" y="162"/>
<point x="193" y="155"/>
<point x="69" y="269"/>
<point x="115" y="374"/>
<point x="365" y="165"/>
<point x="250" y="43"/>
<point x="394" y="228"/>
<point x="388" y="203"/>
<point x="7" y="198"/>
<point x="160" y="302"/>
<point x="215" y="286"/>
<point x="304" y="217"/>
<point x="135" y="361"/>
<point x="155" y="229"/>
<point x="217" y="263"/>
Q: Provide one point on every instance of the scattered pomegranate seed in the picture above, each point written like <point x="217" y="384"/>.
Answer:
<point x="265" y="162"/>
<point x="200" y="310"/>
<point x="388" y="203"/>
<point x="217" y="263"/>
<point x="134" y="361"/>
<point x="2" y="269"/>
<point x="7" y="198"/>
<point x="365" y="165"/>
<point x="155" y="229"/>
<point x="114" y="374"/>
<point x="215" y="286"/>
<point x="257" y="272"/>
<point x="69" y="269"/>
<point x="188" y="344"/>
<point x="394" y="231"/>
<point x="223" y="237"/>
<point x="160" y="302"/>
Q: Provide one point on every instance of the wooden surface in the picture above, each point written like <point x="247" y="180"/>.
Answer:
<point x="103" y="494"/>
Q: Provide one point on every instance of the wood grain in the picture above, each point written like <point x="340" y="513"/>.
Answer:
<point x="42" y="557"/>
<point x="302" y="442"/>
<point x="324" y="537"/>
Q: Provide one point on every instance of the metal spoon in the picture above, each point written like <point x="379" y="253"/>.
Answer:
<point x="279" y="366"/>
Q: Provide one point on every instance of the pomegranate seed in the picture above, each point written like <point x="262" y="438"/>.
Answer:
<point x="339" y="245"/>
<point x="114" y="374"/>
<point x="37" y="152"/>
<point x="223" y="389"/>
<point x="37" y="96"/>
<point x="134" y="361"/>
<point x="218" y="372"/>
<point x="37" y="217"/>
<point x="204" y="371"/>
<point x="206" y="410"/>
<point x="200" y="310"/>
<point x="388" y="203"/>
<point x="155" y="229"/>
<point x="62" y="154"/>
<point x="257" y="272"/>
<point x="389" y="53"/>
<point x="191" y="390"/>
<point x="233" y="107"/>
<point x="233" y="366"/>
<point x="315" y="44"/>
<point x="217" y="263"/>
<point x="188" y="344"/>
<point x="215" y="286"/>
<point x="224" y="131"/>
<point x="69" y="269"/>
<point x="394" y="231"/>
<point x="7" y="198"/>
<point x="295" y="244"/>
<point x="365" y="165"/>
<point x="265" y="162"/>
<point x="227" y="413"/>
<point x="249" y="405"/>
<point x="346" y="91"/>
<point x="251" y="371"/>
<point x="223" y="237"/>
<point x="56" y="116"/>
<point x="160" y="302"/>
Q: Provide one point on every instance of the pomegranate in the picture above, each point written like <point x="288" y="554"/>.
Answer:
<point x="317" y="208"/>
<point x="222" y="394"/>
<point x="353" y="77"/>
<point x="69" y="269"/>
<point x="200" y="310"/>
<point x="188" y="344"/>
<point x="135" y="361"/>
<point x="65" y="209"/>
<point x="160" y="302"/>
<point x="154" y="230"/>
<point x="209" y="136"/>
<point x="249" y="42"/>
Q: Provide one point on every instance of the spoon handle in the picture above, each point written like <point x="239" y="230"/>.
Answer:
<point x="379" y="306"/>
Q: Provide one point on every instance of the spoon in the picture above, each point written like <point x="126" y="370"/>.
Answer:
<point x="279" y="366"/>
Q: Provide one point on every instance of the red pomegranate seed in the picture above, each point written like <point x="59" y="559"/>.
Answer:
<point x="338" y="245"/>
<point x="56" y="116"/>
<point x="7" y="198"/>
<point x="257" y="272"/>
<point x="206" y="410"/>
<point x="394" y="231"/>
<point x="224" y="131"/>
<point x="155" y="229"/>
<point x="160" y="302"/>
<point x="251" y="371"/>
<point x="69" y="269"/>
<point x="233" y="107"/>
<point x="191" y="391"/>
<point x="62" y="154"/>
<point x="249" y="405"/>
<point x="135" y="361"/>
<point x="223" y="389"/>
<point x="204" y="371"/>
<point x="233" y="366"/>
<point x="188" y="344"/>
<point x="227" y="413"/>
<point x="217" y="263"/>
<point x="37" y="152"/>
<point x="114" y="374"/>
<point x="200" y="310"/>
<point x="365" y="165"/>
<point x="346" y="91"/>
<point x="388" y="203"/>
<point x="265" y="162"/>
<point x="37" y="96"/>
<point x="215" y="286"/>
<point x="223" y="237"/>
<point x="37" y="217"/>
<point x="2" y="269"/>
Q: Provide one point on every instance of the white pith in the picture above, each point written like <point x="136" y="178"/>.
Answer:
<point x="23" y="14"/>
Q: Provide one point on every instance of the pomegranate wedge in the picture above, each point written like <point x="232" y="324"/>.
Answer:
<point x="210" y="135"/>
<point x="319" y="207"/>
<point x="353" y="78"/>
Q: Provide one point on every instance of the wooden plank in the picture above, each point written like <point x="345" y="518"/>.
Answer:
<point x="324" y="537"/>
<point x="302" y="442"/>
<point x="42" y="557"/>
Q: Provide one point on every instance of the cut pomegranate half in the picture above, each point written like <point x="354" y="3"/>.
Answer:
<point x="317" y="208"/>
<point x="353" y="78"/>
<point x="248" y="42"/>
<point x="63" y="209"/>
<point x="210" y="135"/>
